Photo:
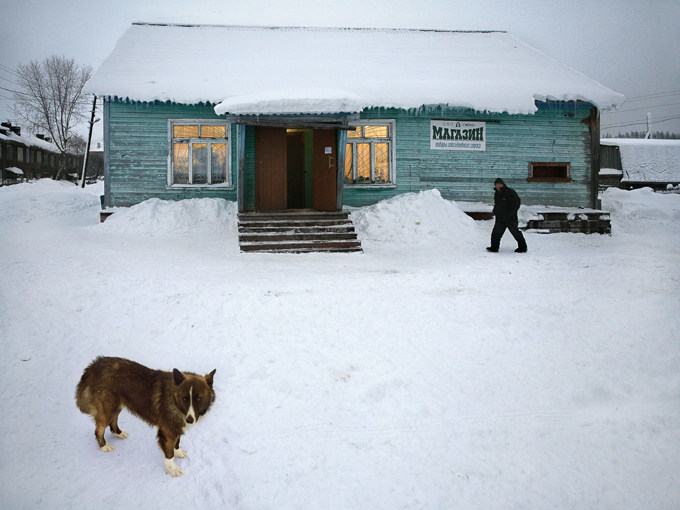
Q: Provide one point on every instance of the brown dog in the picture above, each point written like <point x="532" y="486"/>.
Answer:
<point x="171" y="401"/>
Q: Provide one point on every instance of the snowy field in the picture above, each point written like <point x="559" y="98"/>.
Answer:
<point x="424" y="373"/>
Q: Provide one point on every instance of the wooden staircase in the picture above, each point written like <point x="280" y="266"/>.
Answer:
<point x="297" y="231"/>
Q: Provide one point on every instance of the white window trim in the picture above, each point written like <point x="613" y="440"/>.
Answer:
<point x="205" y="122"/>
<point x="392" y="123"/>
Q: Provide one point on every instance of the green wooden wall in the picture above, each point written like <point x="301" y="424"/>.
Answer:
<point x="558" y="132"/>
<point x="138" y="152"/>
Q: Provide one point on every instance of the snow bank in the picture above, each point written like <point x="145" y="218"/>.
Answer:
<point x="415" y="217"/>
<point x="641" y="205"/>
<point x="397" y="379"/>
<point x="196" y="215"/>
<point x="43" y="198"/>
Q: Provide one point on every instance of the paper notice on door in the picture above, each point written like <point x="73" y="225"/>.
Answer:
<point x="329" y="150"/>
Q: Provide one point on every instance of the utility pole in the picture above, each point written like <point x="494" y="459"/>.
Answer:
<point x="649" y="125"/>
<point x="89" y="141"/>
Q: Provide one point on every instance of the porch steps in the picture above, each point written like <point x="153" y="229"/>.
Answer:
<point x="297" y="231"/>
<point x="595" y="222"/>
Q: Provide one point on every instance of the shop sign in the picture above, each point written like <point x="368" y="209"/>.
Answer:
<point x="457" y="135"/>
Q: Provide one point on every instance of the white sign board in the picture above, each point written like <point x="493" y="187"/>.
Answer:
<point x="457" y="135"/>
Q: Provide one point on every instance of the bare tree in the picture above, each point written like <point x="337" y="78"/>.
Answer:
<point x="50" y="98"/>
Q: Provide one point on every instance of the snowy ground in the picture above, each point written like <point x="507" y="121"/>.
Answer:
<point x="422" y="374"/>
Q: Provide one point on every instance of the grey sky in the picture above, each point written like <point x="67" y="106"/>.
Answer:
<point x="630" y="46"/>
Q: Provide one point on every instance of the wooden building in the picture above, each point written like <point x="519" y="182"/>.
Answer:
<point x="25" y="157"/>
<point x="638" y="163"/>
<point x="311" y="118"/>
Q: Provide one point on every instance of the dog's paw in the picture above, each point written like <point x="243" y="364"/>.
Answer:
<point x="172" y="469"/>
<point x="180" y="453"/>
<point x="106" y="448"/>
<point x="124" y="434"/>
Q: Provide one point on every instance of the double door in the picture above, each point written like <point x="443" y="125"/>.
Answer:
<point x="282" y="169"/>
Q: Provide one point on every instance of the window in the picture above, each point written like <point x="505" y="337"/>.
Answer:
<point x="549" y="172"/>
<point x="20" y="154"/>
<point x="369" y="156"/>
<point x="200" y="154"/>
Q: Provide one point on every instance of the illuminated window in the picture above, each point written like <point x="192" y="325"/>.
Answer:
<point x="200" y="154"/>
<point x="369" y="156"/>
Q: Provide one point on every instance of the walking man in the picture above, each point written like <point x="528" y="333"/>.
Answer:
<point x="505" y="206"/>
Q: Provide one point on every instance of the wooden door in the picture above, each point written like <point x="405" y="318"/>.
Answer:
<point x="271" y="191"/>
<point x="296" y="169"/>
<point x="325" y="170"/>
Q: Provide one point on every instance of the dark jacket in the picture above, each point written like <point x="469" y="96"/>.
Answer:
<point x="506" y="203"/>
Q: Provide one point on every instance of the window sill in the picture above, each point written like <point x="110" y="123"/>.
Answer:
<point x="371" y="186"/>
<point x="549" y="179"/>
<point x="225" y="187"/>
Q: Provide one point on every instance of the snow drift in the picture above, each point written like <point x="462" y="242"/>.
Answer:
<point x="415" y="217"/>
<point x="641" y="205"/>
<point x="418" y="375"/>
<point x="155" y="216"/>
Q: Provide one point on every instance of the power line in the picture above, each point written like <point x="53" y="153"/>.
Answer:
<point x="653" y="96"/>
<point x="10" y="71"/>
<point x="641" y="122"/>
<point x="623" y="110"/>
<point x="7" y="79"/>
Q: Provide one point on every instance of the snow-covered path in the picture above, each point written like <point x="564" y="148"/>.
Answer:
<point x="424" y="373"/>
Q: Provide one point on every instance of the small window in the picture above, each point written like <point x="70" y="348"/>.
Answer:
<point x="369" y="158"/>
<point x="549" y="172"/>
<point x="200" y="154"/>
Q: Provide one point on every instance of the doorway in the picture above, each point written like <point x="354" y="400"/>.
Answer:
<point x="295" y="169"/>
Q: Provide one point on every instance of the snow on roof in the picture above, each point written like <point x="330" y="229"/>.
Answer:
<point x="30" y="141"/>
<point x="648" y="160"/>
<point x="323" y="70"/>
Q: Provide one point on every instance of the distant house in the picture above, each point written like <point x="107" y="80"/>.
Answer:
<point x="27" y="156"/>
<point x="317" y="118"/>
<point x="634" y="163"/>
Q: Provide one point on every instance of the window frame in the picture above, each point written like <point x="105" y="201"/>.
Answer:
<point x="228" y="184"/>
<point x="533" y="178"/>
<point x="391" y="141"/>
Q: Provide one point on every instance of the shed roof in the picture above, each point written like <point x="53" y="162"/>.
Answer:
<point x="323" y="70"/>
<point x="648" y="160"/>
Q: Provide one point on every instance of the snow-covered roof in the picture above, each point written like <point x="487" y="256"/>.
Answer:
<point x="323" y="70"/>
<point x="648" y="160"/>
<point x="30" y="141"/>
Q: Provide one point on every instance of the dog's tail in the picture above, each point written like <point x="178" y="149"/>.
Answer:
<point x="84" y="392"/>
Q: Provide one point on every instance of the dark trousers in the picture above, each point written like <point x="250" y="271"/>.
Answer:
<point x="499" y="229"/>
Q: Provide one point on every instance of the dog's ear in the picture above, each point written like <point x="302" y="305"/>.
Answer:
<point x="209" y="378"/>
<point x="178" y="376"/>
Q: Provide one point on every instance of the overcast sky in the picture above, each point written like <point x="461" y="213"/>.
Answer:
<point x="631" y="46"/>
